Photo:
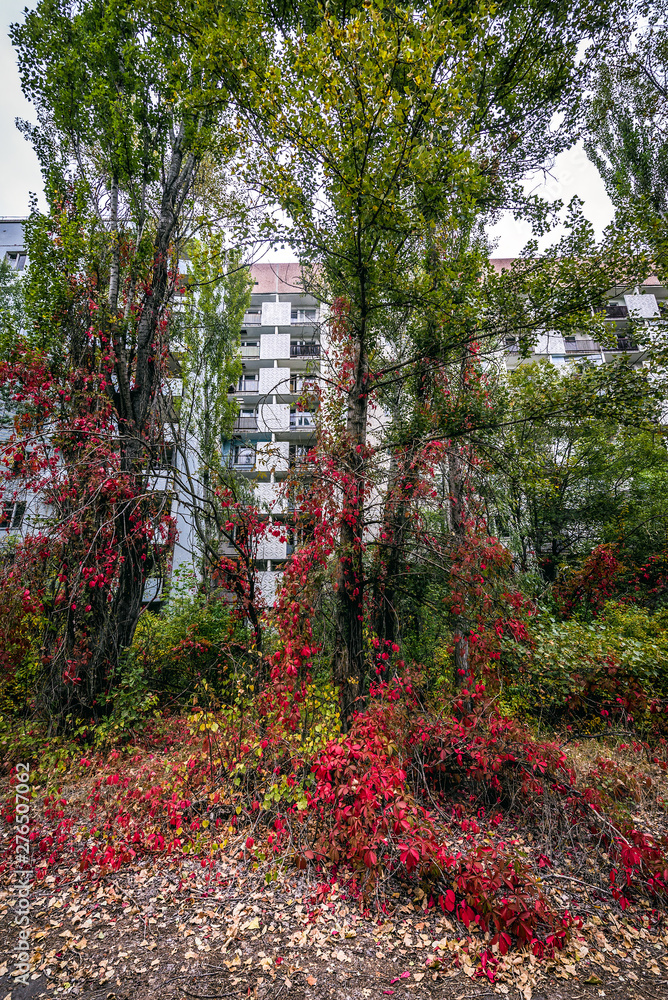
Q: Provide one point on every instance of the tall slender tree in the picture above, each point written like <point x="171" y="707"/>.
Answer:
<point x="121" y="131"/>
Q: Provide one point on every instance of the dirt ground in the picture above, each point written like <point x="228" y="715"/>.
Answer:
<point x="168" y="931"/>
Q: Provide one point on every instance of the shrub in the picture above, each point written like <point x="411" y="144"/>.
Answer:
<point x="614" y="665"/>
<point x="191" y="640"/>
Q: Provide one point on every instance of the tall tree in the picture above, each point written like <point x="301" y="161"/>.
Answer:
<point x="121" y="131"/>
<point x="627" y="114"/>
<point x="382" y="133"/>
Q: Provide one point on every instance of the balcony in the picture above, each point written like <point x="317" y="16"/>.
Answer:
<point x="304" y="350"/>
<point x="250" y="351"/>
<point x="300" y="420"/>
<point x="581" y="346"/>
<point x="615" y="310"/>
<point x="246" y="423"/>
<point x="297" y="459"/>
<point x="228" y="549"/>
<point x="242" y="458"/>
<point x="302" y="384"/>
<point x="252" y="319"/>
<point x="302" y="317"/>
<point x="248" y="385"/>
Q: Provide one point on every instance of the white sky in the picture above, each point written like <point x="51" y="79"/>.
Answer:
<point x="573" y="174"/>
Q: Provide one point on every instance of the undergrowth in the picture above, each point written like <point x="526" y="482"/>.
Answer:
<point x="467" y="805"/>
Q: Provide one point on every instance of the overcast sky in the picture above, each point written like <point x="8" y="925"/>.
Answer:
<point x="573" y="174"/>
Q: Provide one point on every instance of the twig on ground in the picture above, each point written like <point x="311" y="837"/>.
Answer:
<point x="205" y="996"/>
<point x="571" y="878"/>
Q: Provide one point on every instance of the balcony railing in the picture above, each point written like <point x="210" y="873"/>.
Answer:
<point x="248" y="385"/>
<point x="250" y="350"/>
<point x="252" y="319"/>
<point x="302" y="319"/>
<point x="302" y="385"/>
<point x="615" y="310"/>
<point x="302" y="420"/>
<point x="245" y="424"/>
<point x="582" y="346"/>
<point x="304" y="350"/>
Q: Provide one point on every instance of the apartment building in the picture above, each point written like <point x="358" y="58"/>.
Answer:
<point x="631" y="321"/>
<point x="281" y="343"/>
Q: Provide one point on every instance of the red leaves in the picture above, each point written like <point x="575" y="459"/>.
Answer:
<point x="410" y="856"/>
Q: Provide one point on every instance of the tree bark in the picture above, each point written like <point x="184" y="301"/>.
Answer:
<point x="350" y="668"/>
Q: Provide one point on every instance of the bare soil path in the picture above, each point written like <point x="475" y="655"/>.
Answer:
<point x="175" y="931"/>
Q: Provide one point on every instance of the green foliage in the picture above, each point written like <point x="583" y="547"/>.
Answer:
<point x="208" y="334"/>
<point x="617" y="664"/>
<point x="189" y="641"/>
<point x="12" y="308"/>
<point x="628" y="112"/>
<point x="578" y="462"/>
<point x="129" y="705"/>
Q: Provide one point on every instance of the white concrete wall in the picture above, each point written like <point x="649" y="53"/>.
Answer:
<point x="271" y="548"/>
<point x="276" y="313"/>
<point x="274" y="380"/>
<point x="275" y="346"/>
<point x="272" y="456"/>
<point x="269" y="495"/>
<point x="267" y="583"/>
<point x="642" y="306"/>
<point x="549" y="343"/>
<point x="273" y="417"/>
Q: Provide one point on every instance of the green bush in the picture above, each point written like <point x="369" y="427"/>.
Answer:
<point x="616" y="664"/>
<point x="193" y="639"/>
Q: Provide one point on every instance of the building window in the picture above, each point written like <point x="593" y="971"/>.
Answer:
<point x="242" y="457"/>
<point x="301" y="418"/>
<point x="16" y="259"/>
<point x="12" y="514"/>
<point x="301" y="315"/>
<point x="166" y="455"/>
<point x="298" y="457"/>
<point x="302" y="383"/>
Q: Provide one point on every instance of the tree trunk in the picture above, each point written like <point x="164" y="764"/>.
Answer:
<point x="114" y="272"/>
<point x="136" y="400"/>
<point x="458" y="526"/>
<point x="350" y="668"/>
